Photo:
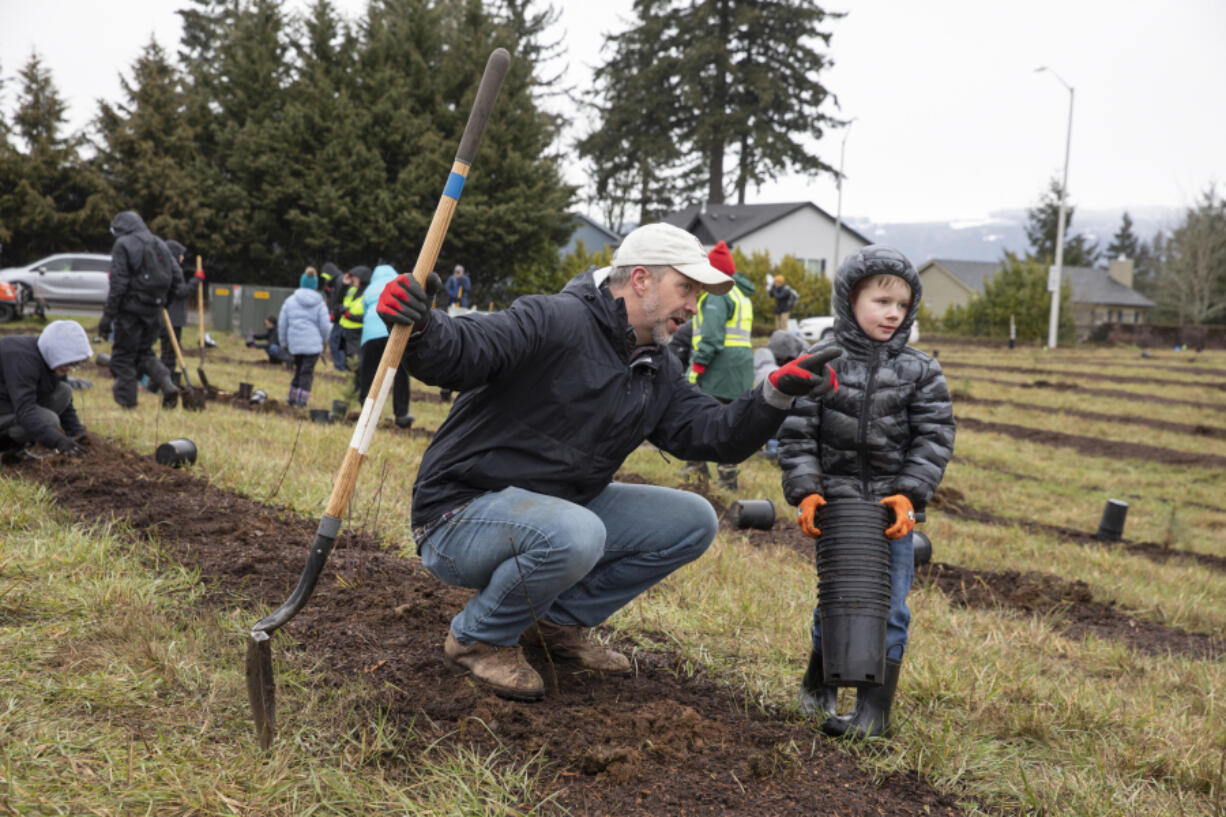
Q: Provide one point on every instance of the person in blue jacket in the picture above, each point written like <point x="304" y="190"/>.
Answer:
<point x="458" y="287"/>
<point x="515" y="494"/>
<point x="374" y="341"/>
<point x="303" y="329"/>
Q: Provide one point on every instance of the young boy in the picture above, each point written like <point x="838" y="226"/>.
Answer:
<point x="886" y="435"/>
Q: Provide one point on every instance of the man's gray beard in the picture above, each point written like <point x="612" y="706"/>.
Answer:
<point x="659" y="331"/>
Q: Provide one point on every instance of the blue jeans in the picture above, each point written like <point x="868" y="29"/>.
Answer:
<point x="334" y="347"/>
<point x="579" y="564"/>
<point x="902" y="574"/>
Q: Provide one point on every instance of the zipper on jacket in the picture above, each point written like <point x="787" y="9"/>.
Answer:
<point x="865" y="466"/>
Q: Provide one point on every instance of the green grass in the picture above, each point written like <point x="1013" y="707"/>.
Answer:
<point x="122" y="695"/>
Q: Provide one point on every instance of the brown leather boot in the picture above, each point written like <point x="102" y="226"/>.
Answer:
<point x="575" y="643"/>
<point x="503" y="669"/>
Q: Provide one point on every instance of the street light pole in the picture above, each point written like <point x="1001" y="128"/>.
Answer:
<point x="838" y="213"/>
<point x="1055" y="275"/>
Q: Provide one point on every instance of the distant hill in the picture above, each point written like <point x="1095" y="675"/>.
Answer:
<point x="988" y="239"/>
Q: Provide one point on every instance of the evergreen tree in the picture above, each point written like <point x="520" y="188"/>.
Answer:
<point x="51" y="200"/>
<point x="632" y="153"/>
<point x="1041" y="229"/>
<point x="698" y="80"/>
<point x="148" y="151"/>
<point x="1125" y="242"/>
<point x="334" y="177"/>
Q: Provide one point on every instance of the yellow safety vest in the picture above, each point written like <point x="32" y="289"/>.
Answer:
<point x="736" y="329"/>
<point x="353" y="305"/>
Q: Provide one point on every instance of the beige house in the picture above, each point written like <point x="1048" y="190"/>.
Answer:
<point x="801" y="229"/>
<point x="1099" y="295"/>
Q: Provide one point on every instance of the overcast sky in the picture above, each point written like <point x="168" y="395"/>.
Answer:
<point x="951" y="120"/>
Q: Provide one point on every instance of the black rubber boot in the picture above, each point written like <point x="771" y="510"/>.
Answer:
<point x="871" y="717"/>
<point x="817" y="699"/>
<point x="170" y="391"/>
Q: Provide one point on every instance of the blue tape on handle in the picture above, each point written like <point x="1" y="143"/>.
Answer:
<point x="455" y="183"/>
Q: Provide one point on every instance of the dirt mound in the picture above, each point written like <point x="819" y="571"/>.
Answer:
<point x="1073" y="605"/>
<point x="660" y="742"/>
<point x="1130" y="419"/>
<point x="1096" y="446"/>
<point x="1114" y="394"/>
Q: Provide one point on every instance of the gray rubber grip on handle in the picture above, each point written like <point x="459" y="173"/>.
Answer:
<point x="495" y="70"/>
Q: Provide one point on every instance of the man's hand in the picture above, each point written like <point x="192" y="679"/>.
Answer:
<point x="104" y="325"/>
<point x="904" y="516"/>
<point x="69" y="448"/>
<point x="403" y="301"/>
<point x="199" y="275"/>
<point x="697" y="370"/>
<point x="799" y="377"/>
<point x="806" y="517"/>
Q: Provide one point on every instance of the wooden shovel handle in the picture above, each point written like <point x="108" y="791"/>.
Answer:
<point x="174" y="342"/>
<point x="495" y="70"/>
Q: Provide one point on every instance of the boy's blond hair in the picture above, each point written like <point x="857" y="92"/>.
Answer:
<point x="884" y="280"/>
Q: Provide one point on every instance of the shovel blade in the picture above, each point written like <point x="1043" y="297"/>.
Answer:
<point x="193" y="399"/>
<point x="204" y="381"/>
<point x="261" y="688"/>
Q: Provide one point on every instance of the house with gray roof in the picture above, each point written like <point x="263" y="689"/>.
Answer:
<point x="594" y="235"/>
<point x="1098" y="295"/>
<point x="801" y="229"/>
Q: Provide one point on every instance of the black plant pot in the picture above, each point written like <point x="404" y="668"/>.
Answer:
<point x="176" y="453"/>
<point x="753" y="513"/>
<point x="853" y="569"/>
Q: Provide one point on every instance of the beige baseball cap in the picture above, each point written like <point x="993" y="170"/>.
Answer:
<point x="663" y="244"/>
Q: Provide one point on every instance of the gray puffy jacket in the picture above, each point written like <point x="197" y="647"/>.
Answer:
<point x="889" y="429"/>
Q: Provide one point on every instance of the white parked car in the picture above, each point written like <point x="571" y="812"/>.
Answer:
<point x="819" y="327"/>
<point x="65" y="279"/>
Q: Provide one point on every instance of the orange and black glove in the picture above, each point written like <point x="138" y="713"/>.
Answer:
<point x="802" y="376"/>
<point x="807" y="516"/>
<point x="904" y="516"/>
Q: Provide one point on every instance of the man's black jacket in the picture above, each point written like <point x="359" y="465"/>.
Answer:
<point x="555" y="396"/>
<point x="26" y="382"/>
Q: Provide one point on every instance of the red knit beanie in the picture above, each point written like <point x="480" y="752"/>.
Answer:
<point x="721" y="259"/>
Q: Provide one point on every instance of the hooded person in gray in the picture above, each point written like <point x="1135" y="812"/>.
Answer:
<point x="144" y="278"/>
<point x="35" y="401"/>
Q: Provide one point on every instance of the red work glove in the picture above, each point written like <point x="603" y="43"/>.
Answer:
<point x="904" y="516"/>
<point x="199" y="275"/>
<point x="797" y="377"/>
<point x="403" y="300"/>
<point x="698" y="368"/>
<point x="806" y="517"/>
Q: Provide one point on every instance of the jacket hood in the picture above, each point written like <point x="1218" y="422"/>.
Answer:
<point x="126" y="223"/>
<point x="362" y="273"/>
<point x="381" y="275"/>
<point x="784" y="345"/>
<point x="305" y="297"/>
<point x="330" y="272"/>
<point x="176" y="249"/>
<point x="64" y="342"/>
<point x="875" y="259"/>
<point x="744" y="284"/>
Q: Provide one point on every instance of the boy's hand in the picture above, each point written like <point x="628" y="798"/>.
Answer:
<point x="904" y="516"/>
<point x="807" y="516"/>
<point x="798" y="377"/>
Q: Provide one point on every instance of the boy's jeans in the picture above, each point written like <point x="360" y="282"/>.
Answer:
<point x="579" y="564"/>
<point x="902" y="573"/>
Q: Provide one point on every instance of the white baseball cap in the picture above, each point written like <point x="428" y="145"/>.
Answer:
<point x="663" y="244"/>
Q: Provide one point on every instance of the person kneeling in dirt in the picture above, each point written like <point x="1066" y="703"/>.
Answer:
<point x="514" y="495"/>
<point x="35" y="400"/>
<point x="886" y="434"/>
<point x="268" y="340"/>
